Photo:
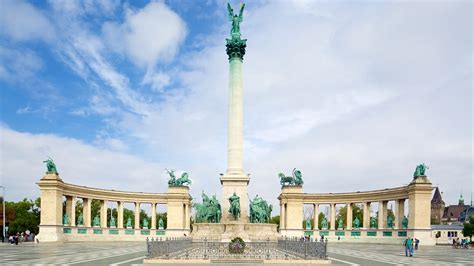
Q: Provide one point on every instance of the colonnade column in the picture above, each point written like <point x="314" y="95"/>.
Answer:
<point x="137" y="215"/>
<point x="316" y="216"/>
<point x="103" y="213"/>
<point x="71" y="210"/>
<point x="332" y="222"/>
<point x="72" y="218"/>
<point x="120" y="214"/>
<point x="382" y="214"/>
<point x="366" y="216"/>
<point x="349" y="216"/>
<point x="400" y="213"/>
<point x="153" y="216"/>
<point x="86" y="210"/>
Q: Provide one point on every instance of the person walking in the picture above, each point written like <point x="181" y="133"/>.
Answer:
<point x="417" y="242"/>
<point x="409" y="247"/>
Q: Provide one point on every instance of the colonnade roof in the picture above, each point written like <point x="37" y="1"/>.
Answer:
<point x="387" y="194"/>
<point x="176" y="194"/>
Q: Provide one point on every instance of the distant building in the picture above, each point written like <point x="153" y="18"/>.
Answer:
<point x="452" y="213"/>
<point x="441" y="214"/>
<point x="437" y="207"/>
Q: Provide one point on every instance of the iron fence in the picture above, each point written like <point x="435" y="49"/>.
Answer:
<point x="283" y="249"/>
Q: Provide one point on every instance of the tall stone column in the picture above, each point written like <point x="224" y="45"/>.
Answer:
<point x="235" y="180"/>
<point x="120" y="214"/>
<point x="382" y="214"/>
<point x="137" y="215"/>
<point x="103" y="213"/>
<point x="153" y="215"/>
<point x="332" y="222"/>
<point x="87" y="203"/>
<point x="316" y="216"/>
<point x="349" y="216"/>
<point x="366" y="216"/>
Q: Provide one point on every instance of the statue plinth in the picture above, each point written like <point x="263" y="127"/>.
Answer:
<point x="420" y="179"/>
<point x="237" y="184"/>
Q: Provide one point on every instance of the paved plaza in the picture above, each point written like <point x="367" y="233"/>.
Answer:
<point x="132" y="253"/>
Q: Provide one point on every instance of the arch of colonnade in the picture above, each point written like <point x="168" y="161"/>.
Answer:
<point x="418" y="193"/>
<point x="52" y="227"/>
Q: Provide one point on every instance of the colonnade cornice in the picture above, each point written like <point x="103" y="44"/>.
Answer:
<point x="113" y="195"/>
<point x="388" y="194"/>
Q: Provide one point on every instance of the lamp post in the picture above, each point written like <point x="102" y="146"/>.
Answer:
<point x="4" y="217"/>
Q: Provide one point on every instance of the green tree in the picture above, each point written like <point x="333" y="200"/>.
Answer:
<point x="468" y="229"/>
<point x="23" y="215"/>
<point x="321" y="216"/>
<point x="276" y="220"/>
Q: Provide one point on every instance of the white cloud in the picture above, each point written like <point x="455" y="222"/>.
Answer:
<point x="20" y="65"/>
<point x="77" y="163"/>
<point x="147" y="35"/>
<point x="20" y="21"/>
<point x="354" y="96"/>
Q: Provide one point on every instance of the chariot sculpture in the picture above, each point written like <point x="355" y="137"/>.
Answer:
<point x="295" y="180"/>
<point x="178" y="182"/>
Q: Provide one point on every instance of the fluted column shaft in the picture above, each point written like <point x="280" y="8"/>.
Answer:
<point x="103" y="213"/>
<point x="87" y="211"/>
<point x="366" y="216"/>
<point x="235" y="144"/>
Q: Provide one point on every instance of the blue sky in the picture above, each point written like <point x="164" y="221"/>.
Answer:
<point x="355" y="94"/>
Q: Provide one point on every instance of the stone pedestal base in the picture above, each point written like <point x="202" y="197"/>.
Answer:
<point x="50" y="233"/>
<point x="227" y="231"/>
<point x="235" y="184"/>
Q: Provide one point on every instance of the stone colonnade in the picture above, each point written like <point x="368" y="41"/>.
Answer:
<point x="418" y="193"/>
<point x="53" y="189"/>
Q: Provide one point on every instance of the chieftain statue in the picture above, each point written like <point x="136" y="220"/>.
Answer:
<point x="324" y="223"/>
<point x="405" y="222"/>
<point x="50" y="166"/>
<point x="161" y="224"/>
<point x="308" y="224"/>
<point x="129" y="223"/>
<point x="65" y="219"/>
<point x="234" y="208"/>
<point x="112" y="221"/>
<point x="373" y="222"/>
<point x="260" y="210"/>
<point x="356" y="223"/>
<point x="295" y="180"/>
<point x="340" y="224"/>
<point x="145" y="223"/>
<point x="80" y="220"/>
<point x="96" y="221"/>
<point x="178" y="182"/>
<point x="420" y="170"/>
<point x="389" y="221"/>
<point x="209" y="211"/>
